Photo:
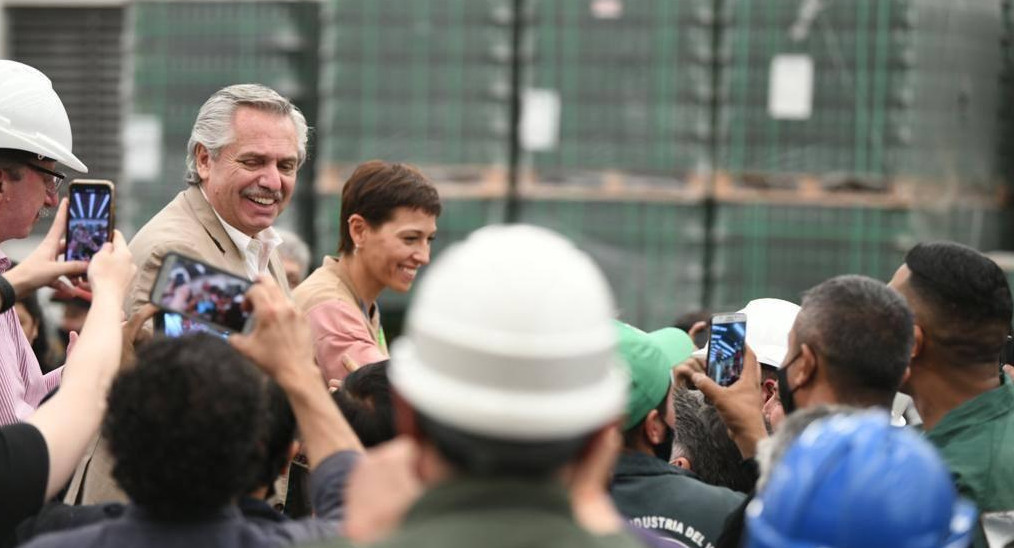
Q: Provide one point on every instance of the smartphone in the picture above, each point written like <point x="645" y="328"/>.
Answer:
<point x="90" y="216"/>
<point x="173" y="325"/>
<point x="726" y="347"/>
<point x="1007" y="352"/>
<point x="201" y="292"/>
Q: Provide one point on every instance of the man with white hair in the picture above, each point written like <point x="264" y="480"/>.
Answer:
<point x="245" y="148"/>
<point x="244" y="151"/>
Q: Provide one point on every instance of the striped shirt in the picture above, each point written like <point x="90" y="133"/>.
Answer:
<point x="22" y="384"/>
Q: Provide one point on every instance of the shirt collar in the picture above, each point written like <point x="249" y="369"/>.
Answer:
<point x="980" y="409"/>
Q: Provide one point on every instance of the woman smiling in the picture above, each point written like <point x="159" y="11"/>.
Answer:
<point x="388" y="220"/>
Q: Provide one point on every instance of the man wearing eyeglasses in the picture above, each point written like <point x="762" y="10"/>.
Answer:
<point x="34" y="135"/>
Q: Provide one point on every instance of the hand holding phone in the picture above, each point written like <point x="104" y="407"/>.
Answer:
<point x="726" y="347"/>
<point x="201" y="292"/>
<point x="90" y="218"/>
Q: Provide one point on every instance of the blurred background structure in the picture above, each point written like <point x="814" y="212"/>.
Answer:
<point x="706" y="152"/>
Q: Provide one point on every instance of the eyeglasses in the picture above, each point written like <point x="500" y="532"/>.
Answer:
<point x="54" y="179"/>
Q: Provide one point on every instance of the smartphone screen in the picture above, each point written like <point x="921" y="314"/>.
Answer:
<point x="726" y="348"/>
<point x="201" y="292"/>
<point x="173" y="325"/>
<point x="89" y="219"/>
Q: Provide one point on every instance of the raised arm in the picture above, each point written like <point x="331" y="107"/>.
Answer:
<point x="70" y="419"/>
<point x="280" y="344"/>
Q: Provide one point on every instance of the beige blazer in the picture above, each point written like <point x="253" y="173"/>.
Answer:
<point x="188" y="225"/>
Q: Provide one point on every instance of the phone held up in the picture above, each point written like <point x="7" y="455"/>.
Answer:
<point x="90" y="218"/>
<point x="196" y="296"/>
<point x="726" y="347"/>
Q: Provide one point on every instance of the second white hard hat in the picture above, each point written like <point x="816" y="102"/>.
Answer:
<point x="510" y="335"/>
<point x="768" y="324"/>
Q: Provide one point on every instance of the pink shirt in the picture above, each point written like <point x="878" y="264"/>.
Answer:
<point x="339" y="329"/>
<point x="22" y="384"/>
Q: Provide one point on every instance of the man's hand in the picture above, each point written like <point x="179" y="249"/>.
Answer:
<point x="683" y="373"/>
<point x="739" y="405"/>
<point x="589" y="484"/>
<point x="42" y="268"/>
<point x="381" y="489"/>
<point x="134" y="334"/>
<point x="111" y="269"/>
<point x="280" y="343"/>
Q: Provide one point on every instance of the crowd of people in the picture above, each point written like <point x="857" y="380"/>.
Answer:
<point x="515" y="409"/>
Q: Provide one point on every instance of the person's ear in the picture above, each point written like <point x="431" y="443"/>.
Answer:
<point x="682" y="462"/>
<point x="202" y="158"/>
<point x="920" y="340"/>
<point x="807" y="368"/>
<point x="405" y="420"/>
<point x="770" y="388"/>
<point x="357" y="226"/>
<point x="655" y="427"/>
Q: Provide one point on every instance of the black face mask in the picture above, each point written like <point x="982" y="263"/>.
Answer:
<point x="664" y="449"/>
<point x="785" y="394"/>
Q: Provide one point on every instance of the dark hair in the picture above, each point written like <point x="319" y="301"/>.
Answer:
<point x="184" y="425"/>
<point x="365" y="400"/>
<point x="279" y="430"/>
<point x="40" y="346"/>
<point x="11" y="159"/>
<point x="476" y="455"/>
<point x="966" y="296"/>
<point x="376" y="189"/>
<point x="701" y="437"/>
<point x="862" y="329"/>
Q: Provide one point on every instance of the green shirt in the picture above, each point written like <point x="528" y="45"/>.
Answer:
<point x="495" y="513"/>
<point x="976" y="439"/>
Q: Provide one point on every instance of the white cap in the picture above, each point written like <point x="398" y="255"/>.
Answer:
<point x="510" y="335"/>
<point x="32" y="117"/>
<point x="768" y="324"/>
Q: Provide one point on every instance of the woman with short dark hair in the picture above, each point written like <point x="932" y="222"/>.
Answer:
<point x="388" y="220"/>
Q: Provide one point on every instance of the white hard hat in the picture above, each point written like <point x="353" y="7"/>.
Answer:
<point x="768" y="324"/>
<point x="32" y="117"/>
<point x="510" y="335"/>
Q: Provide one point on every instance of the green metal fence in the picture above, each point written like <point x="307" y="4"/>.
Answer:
<point x="901" y="89"/>
<point x="423" y="81"/>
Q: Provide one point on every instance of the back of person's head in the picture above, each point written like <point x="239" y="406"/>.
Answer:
<point x="862" y="331"/>
<point x="278" y="431"/>
<point x="365" y="400"/>
<point x="649" y="358"/>
<point x="508" y="363"/>
<point x="962" y="301"/>
<point x="702" y="444"/>
<point x="854" y="481"/>
<point x="184" y="426"/>
<point x="376" y="189"/>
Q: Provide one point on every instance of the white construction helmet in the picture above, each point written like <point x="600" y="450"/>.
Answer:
<point x="510" y="336"/>
<point x="32" y="117"/>
<point x="768" y="324"/>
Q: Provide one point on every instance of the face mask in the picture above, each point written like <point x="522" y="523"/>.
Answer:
<point x="785" y="396"/>
<point x="664" y="449"/>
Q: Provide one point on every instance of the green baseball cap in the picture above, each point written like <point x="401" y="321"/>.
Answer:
<point x="650" y="358"/>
